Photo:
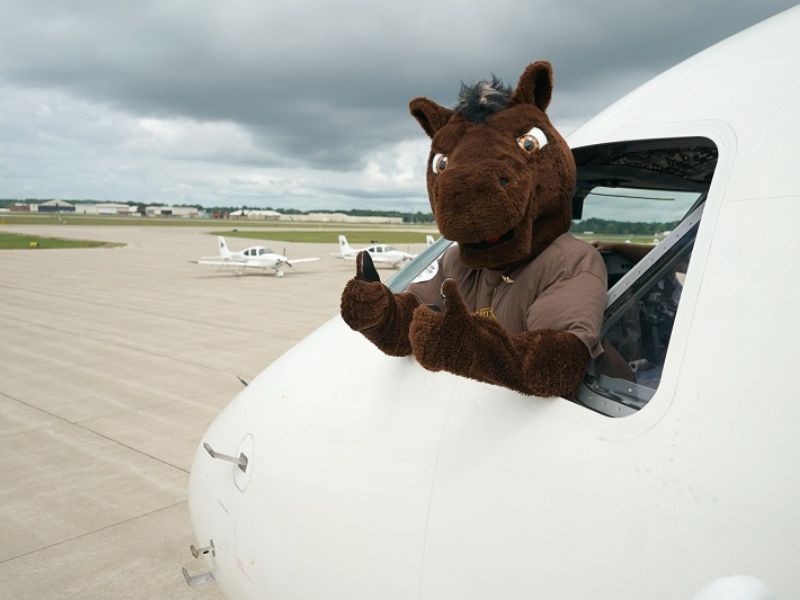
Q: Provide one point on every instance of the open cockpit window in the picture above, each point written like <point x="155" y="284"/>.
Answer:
<point x="640" y="204"/>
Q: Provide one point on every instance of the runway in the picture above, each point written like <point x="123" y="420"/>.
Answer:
<point x="113" y="362"/>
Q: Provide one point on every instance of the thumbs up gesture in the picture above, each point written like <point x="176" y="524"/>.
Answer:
<point x="441" y="340"/>
<point x="365" y="299"/>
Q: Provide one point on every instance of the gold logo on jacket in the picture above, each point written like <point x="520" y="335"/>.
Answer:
<point x="486" y="312"/>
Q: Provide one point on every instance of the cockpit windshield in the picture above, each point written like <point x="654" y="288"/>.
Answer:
<point x="629" y="212"/>
<point x="624" y="223"/>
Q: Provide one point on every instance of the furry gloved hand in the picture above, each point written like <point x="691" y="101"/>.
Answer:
<point x="365" y="299"/>
<point x="371" y="308"/>
<point x="438" y="339"/>
<point x="543" y="363"/>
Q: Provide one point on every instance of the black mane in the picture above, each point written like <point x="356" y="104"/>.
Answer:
<point x="481" y="99"/>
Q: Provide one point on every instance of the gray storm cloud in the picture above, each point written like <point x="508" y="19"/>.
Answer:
<point x="321" y="85"/>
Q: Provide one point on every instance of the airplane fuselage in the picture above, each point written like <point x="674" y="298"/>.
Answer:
<point x="370" y="477"/>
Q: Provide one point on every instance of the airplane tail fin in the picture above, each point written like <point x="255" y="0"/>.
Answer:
<point x="343" y="245"/>
<point x="429" y="240"/>
<point x="224" y="252"/>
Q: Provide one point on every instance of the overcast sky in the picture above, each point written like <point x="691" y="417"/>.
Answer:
<point x="300" y="103"/>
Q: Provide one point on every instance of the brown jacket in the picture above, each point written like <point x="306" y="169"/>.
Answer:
<point x="563" y="288"/>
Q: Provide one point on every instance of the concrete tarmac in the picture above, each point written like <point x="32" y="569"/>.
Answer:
<point x="113" y="362"/>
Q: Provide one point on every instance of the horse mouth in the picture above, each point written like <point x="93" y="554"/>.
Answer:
<point x="492" y="241"/>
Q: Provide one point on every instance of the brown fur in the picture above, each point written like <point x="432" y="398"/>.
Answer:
<point x="370" y="307"/>
<point x="384" y="318"/>
<point x="489" y="187"/>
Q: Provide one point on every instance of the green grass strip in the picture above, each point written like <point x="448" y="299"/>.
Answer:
<point x="20" y="241"/>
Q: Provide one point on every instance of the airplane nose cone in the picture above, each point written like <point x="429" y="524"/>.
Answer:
<point x="220" y="477"/>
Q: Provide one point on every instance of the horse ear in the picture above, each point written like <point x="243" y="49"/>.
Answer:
<point x="430" y="115"/>
<point x="535" y="85"/>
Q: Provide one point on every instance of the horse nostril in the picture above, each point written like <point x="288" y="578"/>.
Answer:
<point x="504" y="181"/>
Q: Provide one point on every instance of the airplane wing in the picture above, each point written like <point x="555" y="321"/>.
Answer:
<point x="207" y="258"/>
<point x="294" y="261"/>
<point x="217" y="262"/>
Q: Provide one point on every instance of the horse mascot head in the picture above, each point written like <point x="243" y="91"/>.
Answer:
<point x="500" y="177"/>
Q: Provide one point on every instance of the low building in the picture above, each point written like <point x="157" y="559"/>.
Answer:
<point x="172" y="211"/>
<point x="55" y="206"/>
<point x="339" y="218"/>
<point x="115" y="209"/>
<point x="106" y="208"/>
<point x="255" y="214"/>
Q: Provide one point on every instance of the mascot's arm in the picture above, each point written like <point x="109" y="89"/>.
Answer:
<point x="545" y="362"/>
<point x="371" y="308"/>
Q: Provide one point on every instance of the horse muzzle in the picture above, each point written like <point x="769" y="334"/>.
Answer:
<point x="474" y="206"/>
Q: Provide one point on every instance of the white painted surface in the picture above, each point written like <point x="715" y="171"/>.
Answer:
<point x="376" y="479"/>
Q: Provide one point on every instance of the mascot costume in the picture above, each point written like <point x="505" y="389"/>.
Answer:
<point x="518" y="302"/>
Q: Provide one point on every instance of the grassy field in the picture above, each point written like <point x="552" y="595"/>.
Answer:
<point x="19" y="241"/>
<point x="384" y="236"/>
<point x="633" y="239"/>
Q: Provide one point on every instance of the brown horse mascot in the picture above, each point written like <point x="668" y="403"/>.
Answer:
<point x="518" y="302"/>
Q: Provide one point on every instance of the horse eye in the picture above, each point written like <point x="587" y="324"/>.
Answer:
<point x="534" y="140"/>
<point x="439" y="162"/>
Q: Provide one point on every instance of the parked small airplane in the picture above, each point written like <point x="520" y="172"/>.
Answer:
<point x="254" y="257"/>
<point x="352" y="474"/>
<point x="381" y="254"/>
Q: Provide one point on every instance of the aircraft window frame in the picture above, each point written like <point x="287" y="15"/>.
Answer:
<point x="685" y="164"/>
<point x="685" y="171"/>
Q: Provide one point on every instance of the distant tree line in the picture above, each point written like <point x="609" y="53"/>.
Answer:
<point x="408" y="217"/>
<point x="604" y="226"/>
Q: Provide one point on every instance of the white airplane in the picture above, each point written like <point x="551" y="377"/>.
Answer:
<point x="254" y="257"/>
<point x="358" y="475"/>
<point x="382" y="255"/>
